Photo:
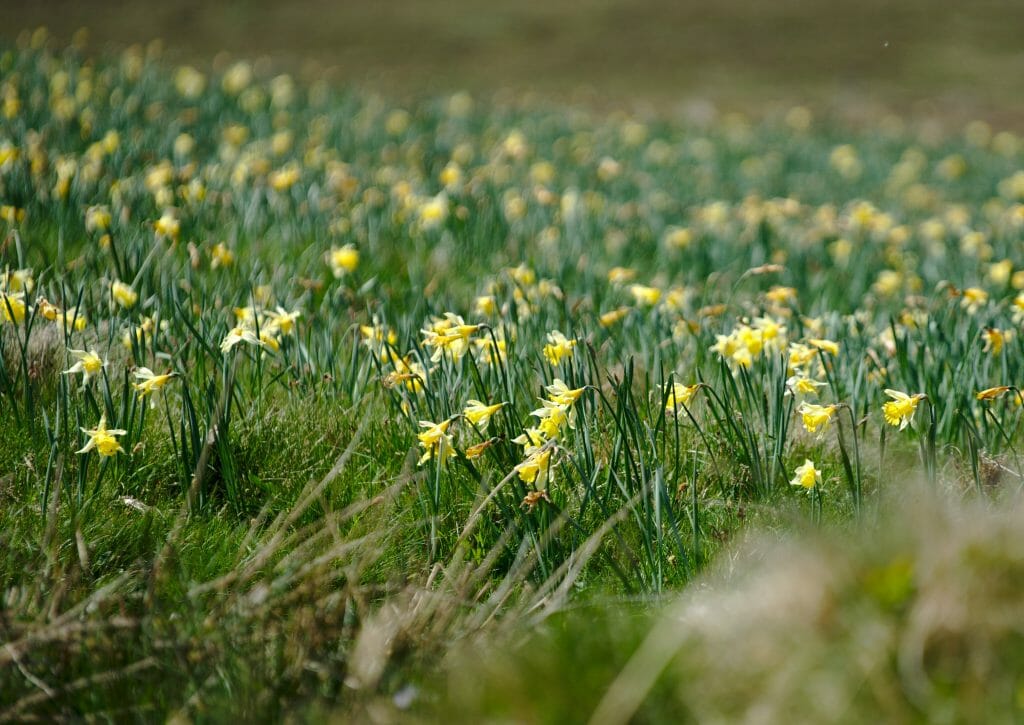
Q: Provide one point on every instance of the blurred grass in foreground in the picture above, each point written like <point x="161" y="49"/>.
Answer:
<point x="930" y="58"/>
<point x="916" y="621"/>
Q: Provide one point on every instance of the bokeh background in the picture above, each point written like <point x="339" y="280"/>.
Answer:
<point x="929" y="57"/>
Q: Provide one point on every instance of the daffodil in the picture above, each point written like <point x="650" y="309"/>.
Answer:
<point x="17" y="280"/>
<point x="377" y="336"/>
<point x="436" y="441"/>
<point x="621" y="275"/>
<point x="1018" y="309"/>
<point x="973" y="299"/>
<point x="772" y="333"/>
<point x="102" y="439"/>
<point x="12" y="306"/>
<point x="613" y="316"/>
<point x="816" y="417"/>
<point x="679" y="395"/>
<point x="806" y="475"/>
<point x="490" y="351"/>
<point x="803" y="385"/>
<point x="282" y="321"/>
<point x="167" y="226"/>
<point x="644" y="295"/>
<point x="536" y="468"/>
<point x="781" y="295"/>
<point x="829" y="346"/>
<point x="995" y="339"/>
<point x="530" y="439"/>
<point x="479" y="414"/>
<point x="123" y="294"/>
<point x="558" y="347"/>
<point x="98" y="218"/>
<point x="86" y="363"/>
<point x="74" y="319"/>
<point x="221" y="256"/>
<point x="485" y="305"/>
<point x="993" y="393"/>
<point x="552" y="417"/>
<point x="138" y="332"/>
<point x="433" y="212"/>
<point x="562" y="394"/>
<point x="343" y="260"/>
<point x="284" y="178"/>
<point x="800" y="356"/>
<point x="268" y="338"/>
<point x="150" y="383"/>
<point x="239" y="334"/>
<point x="449" y="335"/>
<point x="900" y="410"/>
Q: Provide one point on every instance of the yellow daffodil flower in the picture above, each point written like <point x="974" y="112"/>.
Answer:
<point x="900" y="410"/>
<point x="562" y="394"/>
<point x="806" y="475"/>
<point x="343" y="260"/>
<point x="86" y="363"/>
<point x="803" y="385"/>
<point x="436" y="441"/>
<point x="123" y="294"/>
<point x="150" y="383"/>
<point x="102" y="439"/>
<point x="829" y="346"/>
<point x="479" y="414"/>
<point x="239" y="334"/>
<point x="558" y="347"/>
<point x="816" y="417"/>
<point x="679" y="395"/>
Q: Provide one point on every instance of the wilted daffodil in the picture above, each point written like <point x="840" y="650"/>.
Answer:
<point x="996" y="393"/>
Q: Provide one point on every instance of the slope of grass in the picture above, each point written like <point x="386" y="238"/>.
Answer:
<point x="304" y="393"/>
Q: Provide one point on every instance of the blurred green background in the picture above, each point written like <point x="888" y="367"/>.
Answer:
<point x="932" y="57"/>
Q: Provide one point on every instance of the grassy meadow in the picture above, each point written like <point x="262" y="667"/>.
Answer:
<point x="322" y="405"/>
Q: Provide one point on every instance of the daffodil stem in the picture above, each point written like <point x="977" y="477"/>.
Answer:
<point x="928" y="447"/>
<point x="853" y="477"/>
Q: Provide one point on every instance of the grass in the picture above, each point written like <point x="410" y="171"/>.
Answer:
<point x="371" y="386"/>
